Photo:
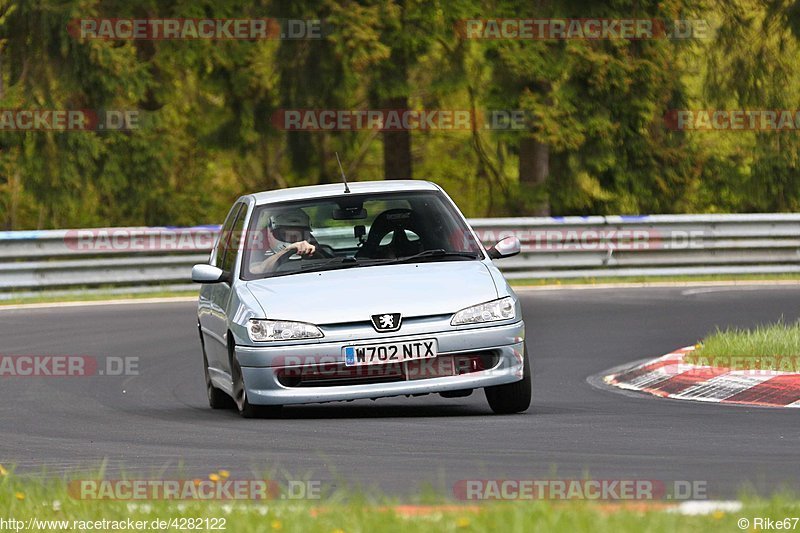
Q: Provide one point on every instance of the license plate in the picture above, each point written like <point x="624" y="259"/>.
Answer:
<point x="382" y="354"/>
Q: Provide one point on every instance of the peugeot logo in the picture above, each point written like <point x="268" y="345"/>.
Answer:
<point x="386" y="322"/>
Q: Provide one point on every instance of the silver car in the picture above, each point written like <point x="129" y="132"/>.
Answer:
<point x="331" y="293"/>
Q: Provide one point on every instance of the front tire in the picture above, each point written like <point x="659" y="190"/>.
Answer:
<point x="245" y="408"/>
<point x="217" y="399"/>
<point x="512" y="397"/>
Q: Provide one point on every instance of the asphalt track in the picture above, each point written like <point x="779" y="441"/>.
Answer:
<point x="157" y="423"/>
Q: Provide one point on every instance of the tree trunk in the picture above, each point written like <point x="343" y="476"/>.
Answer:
<point x="396" y="145"/>
<point x="534" y="168"/>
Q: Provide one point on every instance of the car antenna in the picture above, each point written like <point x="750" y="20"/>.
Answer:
<point x="344" y="178"/>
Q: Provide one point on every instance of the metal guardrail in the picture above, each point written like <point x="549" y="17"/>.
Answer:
<point x="656" y="245"/>
<point x="567" y="247"/>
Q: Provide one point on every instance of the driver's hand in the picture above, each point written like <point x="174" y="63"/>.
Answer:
<point x="304" y="248"/>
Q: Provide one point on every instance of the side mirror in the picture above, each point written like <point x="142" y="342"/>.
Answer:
<point x="505" y="248"/>
<point x="207" y="274"/>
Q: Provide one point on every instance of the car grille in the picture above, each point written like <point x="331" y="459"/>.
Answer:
<point x="337" y="374"/>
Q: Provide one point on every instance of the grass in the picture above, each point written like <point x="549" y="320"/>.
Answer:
<point x="47" y="499"/>
<point x="95" y="297"/>
<point x="766" y="347"/>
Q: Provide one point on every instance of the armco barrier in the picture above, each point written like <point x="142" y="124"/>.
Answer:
<point x="568" y="247"/>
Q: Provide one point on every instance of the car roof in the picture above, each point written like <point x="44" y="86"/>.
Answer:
<point x="337" y="189"/>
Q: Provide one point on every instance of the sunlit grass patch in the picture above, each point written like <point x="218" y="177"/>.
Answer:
<point x="765" y="347"/>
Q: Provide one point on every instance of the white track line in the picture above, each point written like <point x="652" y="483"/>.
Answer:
<point x="709" y="285"/>
<point x="700" y="507"/>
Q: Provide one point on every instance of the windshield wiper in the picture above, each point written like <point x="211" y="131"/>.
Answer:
<point x="434" y="254"/>
<point x="336" y="262"/>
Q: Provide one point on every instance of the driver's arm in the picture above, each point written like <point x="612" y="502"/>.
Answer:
<point x="268" y="264"/>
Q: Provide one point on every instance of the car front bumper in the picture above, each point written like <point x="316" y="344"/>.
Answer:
<point x="262" y="366"/>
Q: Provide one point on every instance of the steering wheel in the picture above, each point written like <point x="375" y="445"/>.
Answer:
<point x="323" y="251"/>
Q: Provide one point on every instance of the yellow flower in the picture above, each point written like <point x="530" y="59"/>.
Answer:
<point x="3" y="471"/>
<point x="462" y="522"/>
<point x="718" y="514"/>
<point x="213" y="477"/>
<point x="224" y="474"/>
<point x="20" y="496"/>
<point x="276" y="524"/>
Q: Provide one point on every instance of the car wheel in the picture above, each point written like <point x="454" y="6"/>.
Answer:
<point x="245" y="408"/>
<point x="512" y="397"/>
<point x="217" y="399"/>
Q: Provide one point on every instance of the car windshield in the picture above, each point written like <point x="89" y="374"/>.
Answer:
<point x="354" y="231"/>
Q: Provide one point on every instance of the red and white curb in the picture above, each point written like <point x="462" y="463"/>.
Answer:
<point x="670" y="377"/>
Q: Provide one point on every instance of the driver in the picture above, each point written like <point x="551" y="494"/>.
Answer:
<point x="288" y="233"/>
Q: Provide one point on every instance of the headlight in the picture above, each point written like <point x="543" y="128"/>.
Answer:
<point x="502" y="309"/>
<point x="281" y="330"/>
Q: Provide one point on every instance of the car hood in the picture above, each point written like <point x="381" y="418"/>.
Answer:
<point x="355" y="294"/>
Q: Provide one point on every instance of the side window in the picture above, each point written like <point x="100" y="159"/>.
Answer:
<point x="234" y="241"/>
<point x="225" y="235"/>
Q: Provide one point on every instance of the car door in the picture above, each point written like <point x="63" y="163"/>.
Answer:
<point x="214" y="296"/>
